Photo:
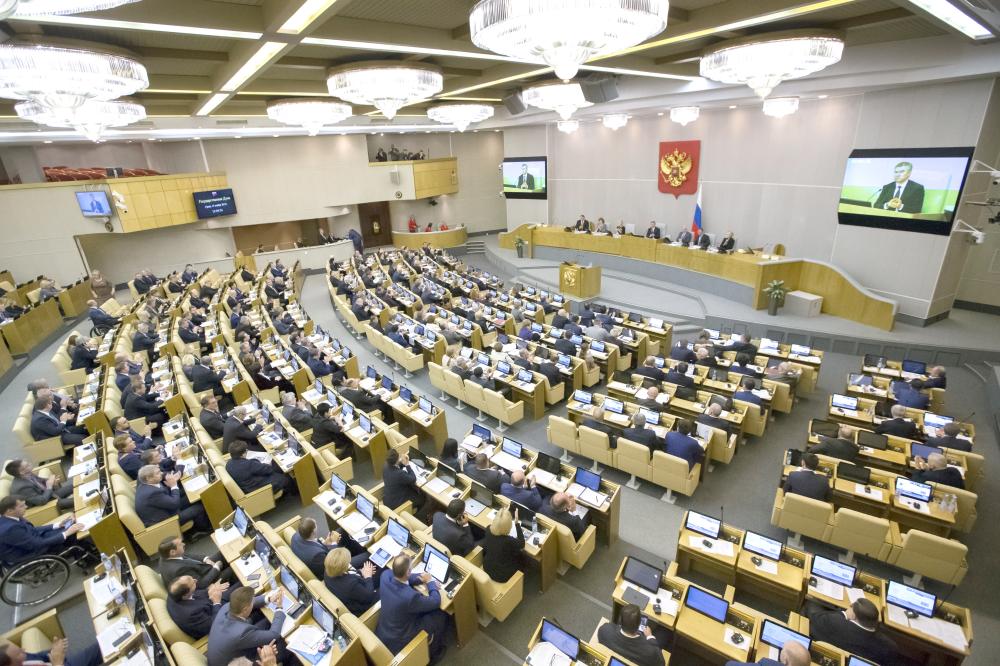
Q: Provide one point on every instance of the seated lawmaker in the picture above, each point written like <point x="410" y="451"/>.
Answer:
<point x="20" y="540"/>
<point x="237" y="427"/>
<point x="479" y="470"/>
<point x="141" y="403"/>
<point x="297" y="413"/>
<point x="842" y="446"/>
<point x="704" y="357"/>
<point x="192" y="609"/>
<point x="142" y="440"/>
<point x="746" y="393"/>
<point x="83" y="354"/>
<point x="639" y="433"/>
<point x="936" y="378"/>
<point x="793" y="653"/>
<point x="936" y="470"/>
<point x="451" y="528"/>
<point x="210" y="417"/>
<point x="704" y="241"/>
<point x="233" y="636"/>
<point x="522" y="490"/>
<point x="948" y="437"/>
<point x="680" y="352"/>
<point x="560" y="508"/>
<point x="713" y="418"/>
<point x="312" y="550"/>
<point x="45" y="423"/>
<point x="251" y="474"/>
<point x="653" y="231"/>
<point x="855" y="630"/>
<point x="678" y="375"/>
<point x="35" y="490"/>
<point x="157" y="498"/>
<point x="502" y="552"/>
<point x="129" y="458"/>
<point x="399" y="483"/>
<point x="99" y="317"/>
<point x="898" y="425"/>
<point x="57" y="655"/>
<point x="910" y="395"/>
<point x="681" y="444"/>
<point x="405" y="611"/>
<point x="175" y="564"/>
<point x="144" y="340"/>
<point x="728" y="242"/>
<point x="637" y="645"/>
<point x="807" y="481"/>
<point x="650" y="370"/>
<point x="353" y="586"/>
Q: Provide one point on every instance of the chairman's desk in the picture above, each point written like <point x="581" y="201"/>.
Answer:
<point x="436" y="239"/>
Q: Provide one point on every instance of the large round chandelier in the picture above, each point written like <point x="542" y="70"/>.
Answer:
<point x="312" y="114"/>
<point x="90" y="118"/>
<point x="386" y="85"/>
<point x="779" y="107"/>
<point x="564" y="33"/>
<point x="684" y="114"/>
<point x="65" y="78"/>
<point x="615" y="121"/>
<point x="563" y="98"/>
<point x="765" y="61"/>
<point x="568" y="126"/>
<point x="460" y="115"/>
<point x="39" y="7"/>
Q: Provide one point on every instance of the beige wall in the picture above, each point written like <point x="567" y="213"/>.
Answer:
<point x="529" y="142"/>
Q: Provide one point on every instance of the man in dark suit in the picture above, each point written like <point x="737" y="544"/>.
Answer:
<point x="727" y="243"/>
<point x="678" y="375"/>
<point x="902" y="195"/>
<point x="548" y="368"/>
<point x="650" y="370"/>
<point x="525" y="181"/>
<point x="948" y="437"/>
<point x="144" y="340"/>
<point x="936" y="378"/>
<point x="681" y="444"/>
<point x="685" y="237"/>
<point x="713" y="417"/>
<point x="522" y="490"/>
<point x="174" y="564"/>
<point x="20" y="540"/>
<point x="99" y="317"/>
<point x="129" y="458"/>
<point x="325" y="430"/>
<point x="204" y="378"/>
<point x="479" y="470"/>
<point x="193" y="610"/>
<point x="58" y="653"/>
<point x="704" y="241"/>
<point x="297" y="413"/>
<point x="560" y="318"/>
<point x="936" y="470"/>
<point x="399" y="482"/>
<point x="560" y="508"/>
<point x="405" y="611"/>
<point x="637" y="645"/>
<point x="35" y="490"/>
<point x="842" y="446"/>
<point x="564" y="345"/>
<point x="596" y="422"/>
<point x="210" y="417"/>
<point x="746" y="393"/>
<point x="740" y="343"/>
<point x="351" y="391"/>
<point x="910" y="394"/>
<point x="45" y="423"/>
<point x="898" y="425"/>
<point x="451" y="529"/>
<point x="308" y="547"/>
<point x="237" y="426"/>
<point x="854" y="630"/>
<point x="639" y="433"/>
<point x="251" y="474"/>
<point x="650" y="402"/>
<point x="681" y="352"/>
<point x="157" y="498"/>
<point x="232" y="635"/>
<point x="653" y="231"/>
<point x="808" y="481"/>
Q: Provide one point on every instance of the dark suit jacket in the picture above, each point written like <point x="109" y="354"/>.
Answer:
<point x="836" y="448"/>
<point x="898" y="427"/>
<point x="234" y="429"/>
<point x="101" y="318"/>
<point x="910" y="397"/>
<point x="249" y="474"/>
<point x="727" y="244"/>
<point x="529" y="497"/>
<point x="679" y="353"/>
<point x="232" y="637"/>
<point x="402" y="608"/>
<point x="43" y="425"/>
<point x="680" y="379"/>
<point x="641" y="436"/>
<point x="526" y="181"/>
<point x="174" y="568"/>
<point x="82" y="357"/>
<point x="714" y="422"/>
<point x="565" y="346"/>
<point x="354" y="591"/>
<point x="810" y="484"/>
<point x="131" y="463"/>
<point x="212" y="422"/>
<point x="399" y="485"/>
<point x="143" y="342"/>
<point x="299" y="419"/>
<point x="559" y="321"/>
<point x="573" y="522"/>
<point x="311" y="552"/>
<point x="20" y="540"/>
<point x="156" y="503"/>
<point x="948" y="476"/>
<point x="490" y="478"/>
<point x="747" y="396"/>
<point x="551" y="373"/>
<point x="653" y="373"/>
<point x="833" y="627"/>
<point x="502" y="554"/>
<point x="137" y="405"/>
<point x="638" y="650"/>
<point x="204" y="378"/>
<point x="325" y="431"/>
<point x="912" y="197"/>
<point x="602" y="427"/>
<point x="454" y="537"/>
<point x="956" y="443"/>
<point x="653" y="232"/>
<point x="193" y="616"/>
<point x="685" y="447"/>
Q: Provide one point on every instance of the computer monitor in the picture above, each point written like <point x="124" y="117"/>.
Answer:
<point x="563" y="360"/>
<point x="431" y="335"/>
<point x="371" y="373"/>
<point x="774" y="361"/>
<point x="482" y="432"/>
<point x="833" y="571"/>
<point x="318" y="385"/>
<point x="712" y="334"/>
<point x="536" y="328"/>
<point x="279" y="430"/>
<point x="932" y="420"/>
<point x="425" y="405"/>
<point x="331" y="397"/>
<point x="659" y="362"/>
<point x="387" y="383"/>
<point x="365" y="507"/>
<point x="481" y="493"/>
<point x="447" y="474"/>
<point x="529" y="291"/>
<point x="776" y="635"/>
<point x="525" y="376"/>
<point x="597" y="346"/>
<point x="614" y="406"/>
<point x="365" y="422"/>
<point x="702" y="524"/>
<point x="265" y="414"/>
<point x="483" y="359"/>
<point x="704" y="431"/>
<point x="706" y="603"/>
<point x="762" y="545"/>
<point x="873" y="440"/>
<point x="503" y="367"/>
<point x="914" y="367"/>
<point x="583" y="396"/>
<point x="454" y="319"/>
<point x="858" y="379"/>
<point x="844" y="401"/>
<point x="768" y="344"/>
<point x="548" y="463"/>
<point x="405" y="394"/>
<point x="922" y="450"/>
<point x="918" y="491"/>
<point x="289" y="581"/>
<point x="564" y="641"/>
<point x="857" y="473"/>
<point x="652" y="418"/>
<point x="588" y="479"/>
<point x="801" y="350"/>
<point x="419" y="330"/>
<point x="721" y="401"/>
<point x="241" y="521"/>
<point x="323" y="617"/>
<point x="910" y="598"/>
<point x="874" y="361"/>
<point x="262" y="548"/>
<point x="634" y="317"/>
<point x="576" y="339"/>
<point x="436" y="563"/>
<point x="338" y="485"/>
<point x="644" y="575"/>
<point x="398" y="533"/>
<point x="858" y="661"/>
<point x="510" y="447"/>
<point x="825" y="428"/>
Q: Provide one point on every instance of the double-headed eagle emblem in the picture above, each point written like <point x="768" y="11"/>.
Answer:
<point x="674" y="167"/>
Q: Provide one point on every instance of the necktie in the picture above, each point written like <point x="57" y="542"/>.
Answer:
<point x="899" y="188"/>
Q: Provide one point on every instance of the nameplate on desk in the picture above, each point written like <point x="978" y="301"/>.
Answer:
<point x="196" y="483"/>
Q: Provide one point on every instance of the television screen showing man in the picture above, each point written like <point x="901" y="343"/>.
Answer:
<point x="524" y="177"/>
<point x="903" y="194"/>
<point x="525" y="181"/>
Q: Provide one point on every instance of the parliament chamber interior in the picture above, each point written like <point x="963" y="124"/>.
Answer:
<point x="307" y="359"/>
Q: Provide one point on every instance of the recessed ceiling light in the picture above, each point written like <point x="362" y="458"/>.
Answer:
<point x="823" y="96"/>
<point x="47" y="141"/>
<point x="275" y="135"/>
<point x="496" y="130"/>
<point x="660" y="113"/>
<point x="732" y="106"/>
<point x="427" y="131"/>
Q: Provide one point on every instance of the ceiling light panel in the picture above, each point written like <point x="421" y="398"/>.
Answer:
<point x="264" y="55"/>
<point x="87" y="22"/>
<point x="212" y="104"/>
<point x="305" y="15"/>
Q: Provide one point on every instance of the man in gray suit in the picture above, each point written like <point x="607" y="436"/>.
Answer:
<point x="685" y="237"/>
<point x="36" y="491"/>
<point x="233" y="636"/>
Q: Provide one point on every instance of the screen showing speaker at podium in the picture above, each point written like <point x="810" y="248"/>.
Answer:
<point x="908" y="189"/>
<point x="525" y="177"/>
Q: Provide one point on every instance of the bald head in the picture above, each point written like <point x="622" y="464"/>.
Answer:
<point x="714" y="409"/>
<point x="794" y="653"/>
<point x="517" y="478"/>
<point x="937" y="461"/>
<point x="898" y="411"/>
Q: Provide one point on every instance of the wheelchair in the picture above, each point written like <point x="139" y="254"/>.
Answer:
<point x="98" y="330"/>
<point x="37" y="580"/>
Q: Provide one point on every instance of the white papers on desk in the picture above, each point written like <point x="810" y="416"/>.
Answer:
<point x="718" y="547"/>
<point x="543" y="478"/>
<point x="944" y="631"/>
<point x="742" y="646"/>
<point x="547" y="654"/>
<point x="308" y="638"/>
<point x="112" y="634"/>
<point x="259" y="456"/>
<point x="769" y="567"/>
<point x="105" y="591"/>
<point x="399" y="403"/>
<point x="472" y="443"/>
<point x="897" y="615"/>
<point x="81" y="469"/>
<point x="195" y="483"/>
<point x="587" y="495"/>
<point x="248" y="565"/>
<point x="354" y="523"/>
<point x="389" y="545"/>
<point x="763" y="394"/>
<point x="436" y="486"/>
<point x="829" y="589"/>
<point x="867" y="491"/>
<point x="90" y="518"/>
<point x="89" y="488"/>
<point x="225" y="536"/>
<point x="854" y="593"/>
<point x="507" y="461"/>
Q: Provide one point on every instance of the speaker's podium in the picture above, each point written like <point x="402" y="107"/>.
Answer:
<point x="580" y="281"/>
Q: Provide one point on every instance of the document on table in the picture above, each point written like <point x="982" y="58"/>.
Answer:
<point x="854" y="593"/>
<point x="195" y="483"/>
<point x="767" y="566"/>
<point x="225" y="536"/>
<point x="718" y="547"/>
<point x="354" y="522"/>
<point x="830" y="589"/>
<point x="249" y="565"/>
<point x="90" y="518"/>
<point x="106" y="590"/>
<point x="112" y="637"/>
<point x="81" y="469"/>
<point x="436" y="486"/>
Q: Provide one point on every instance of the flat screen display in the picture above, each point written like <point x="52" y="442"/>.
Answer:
<point x="214" y="203"/>
<point x="777" y="635"/>
<point x="568" y="644"/>
<point x="588" y="479"/>
<point x="914" y="189"/>
<point x="436" y="563"/>
<point x="702" y="524"/>
<point x="525" y="177"/>
<point x="833" y="570"/>
<point x="910" y="598"/>
<point x="338" y="485"/>
<point x="398" y="533"/>
<point x="94" y="204"/>
<point x="644" y="575"/>
<point x="761" y="545"/>
<point x="706" y="603"/>
<point x="366" y="508"/>
<point x="913" y="490"/>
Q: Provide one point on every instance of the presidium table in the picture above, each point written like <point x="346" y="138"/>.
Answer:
<point x="842" y="296"/>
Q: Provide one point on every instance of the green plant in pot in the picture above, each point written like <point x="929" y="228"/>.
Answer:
<point x="519" y="245"/>
<point x="775" y="291"/>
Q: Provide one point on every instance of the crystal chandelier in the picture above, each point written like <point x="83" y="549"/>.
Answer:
<point x="90" y="118"/>
<point x="564" y="33"/>
<point x="39" y="7"/>
<point x="615" y="121"/>
<point x="568" y="126"/>
<point x="765" y="61"/>
<point x="684" y="114"/>
<point x="460" y="115"/>
<point x="386" y="85"/>
<point x="312" y="114"/>
<point x="563" y="98"/>
<point x="64" y="78"/>
<point x="779" y="107"/>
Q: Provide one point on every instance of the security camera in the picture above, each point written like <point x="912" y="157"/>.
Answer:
<point x="978" y="237"/>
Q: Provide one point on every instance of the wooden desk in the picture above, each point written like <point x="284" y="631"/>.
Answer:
<point x="693" y="555"/>
<point x="436" y="239"/>
<point x="588" y="653"/>
<point x="784" y="587"/>
<point x="579" y="281"/>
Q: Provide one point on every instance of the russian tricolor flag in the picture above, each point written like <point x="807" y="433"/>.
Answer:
<point x="696" y="222"/>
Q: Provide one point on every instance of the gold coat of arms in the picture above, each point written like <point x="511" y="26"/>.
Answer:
<point x="675" y="167"/>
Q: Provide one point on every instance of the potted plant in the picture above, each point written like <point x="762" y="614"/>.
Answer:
<point x="519" y="246"/>
<point x="775" y="291"/>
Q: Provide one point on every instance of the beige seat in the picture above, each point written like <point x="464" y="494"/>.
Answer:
<point x="497" y="600"/>
<point x="635" y="459"/>
<point x="187" y="655"/>
<point x="966" y="515"/>
<point x="436" y="373"/>
<point x="39" y="451"/>
<point x="168" y="628"/>
<point x="572" y="551"/>
<point x="414" y="654"/>
<point x="553" y="394"/>
<point x="148" y="538"/>
<point x="456" y="387"/>
<point x="860" y="533"/>
<point x="562" y="433"/>
<point x="150" y="582"/>
<point x="754" y="418"/>
<point x="256" y="502"/>
<point x="475" y="396"/>
<point x="802" y="515"/>
<point x="592" y="376"/>
<point x="36" y="634"/>
<point x="503" y="410"/>
<point x="43" y="513"/>
<point x="932" y="556"/>
<point x="595" y="445"/>
<point x="673" y="473"/>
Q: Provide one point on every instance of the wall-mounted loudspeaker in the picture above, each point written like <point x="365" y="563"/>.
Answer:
<point x="514" y="103"/>
<point x="599" y="88"/>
